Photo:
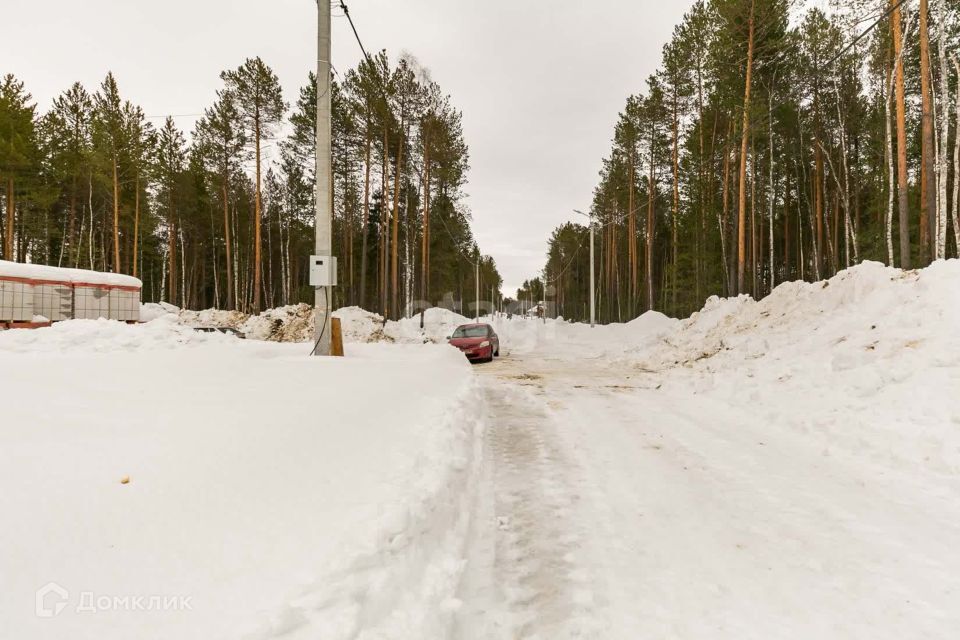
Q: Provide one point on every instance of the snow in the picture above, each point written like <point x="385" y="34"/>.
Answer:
<point x="788" y="468"/>
<point x="294" y="323"/>
<point x="784" y="468"/>
<point x="439" y="323"/>
<point x="263" y="485"/>
<point x="61" y="274"/>
<point x="153" y="310"/>
<point x="876" y="347"/>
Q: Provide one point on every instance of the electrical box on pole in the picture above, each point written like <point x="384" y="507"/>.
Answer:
<point x="323" y="271"/>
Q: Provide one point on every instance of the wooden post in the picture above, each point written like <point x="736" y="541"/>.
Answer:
<point x="336" y="337"/>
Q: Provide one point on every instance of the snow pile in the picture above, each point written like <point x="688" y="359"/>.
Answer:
<point x="533" y="336"/>
<point x="438" y="324"/>
<point x="211" y="318"/>
<point x="294" y="323"/>
<point x="360" y="325"/>
<point x="101" y="336"/>
<point x="280" y="495"/>
<point x="152" y="310"/>
<point x="651" y="322"/>
<point x="867" y="362"/>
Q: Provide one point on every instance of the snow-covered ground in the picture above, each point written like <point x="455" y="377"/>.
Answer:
<point x="788" y="468"/>
<point x="862" y="363"/>
<point x="254" y="491"/>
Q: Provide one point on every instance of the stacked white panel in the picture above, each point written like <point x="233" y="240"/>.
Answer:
<point x="16" y="302"/>
<point x="53" y="301"/>
<point x="133" y="305"/>
<point x="90" y="303"/>
<point x="124" y="305"/>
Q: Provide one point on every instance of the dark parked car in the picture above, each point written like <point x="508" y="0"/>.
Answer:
<point x="479" y="342"/>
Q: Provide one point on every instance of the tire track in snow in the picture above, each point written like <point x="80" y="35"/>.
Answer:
<point x="523" y="579"/>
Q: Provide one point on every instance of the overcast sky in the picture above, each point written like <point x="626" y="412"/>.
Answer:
<point x="540" y="82"/>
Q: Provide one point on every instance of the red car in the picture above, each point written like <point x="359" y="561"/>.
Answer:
<point x="479" y="342"/>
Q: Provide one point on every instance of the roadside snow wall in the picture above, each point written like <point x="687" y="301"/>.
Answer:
<point x="867" y="361"/>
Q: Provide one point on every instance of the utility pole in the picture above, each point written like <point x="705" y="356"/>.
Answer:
<point x="323" y="290"/>
<point x="593" y="297"/>
<point x="478" y="289"/>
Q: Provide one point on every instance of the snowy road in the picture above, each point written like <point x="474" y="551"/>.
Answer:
<point x="783" y="469"/>
<point x="613" y="508"/>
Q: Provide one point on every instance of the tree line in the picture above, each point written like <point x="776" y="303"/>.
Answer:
<point x="773" y="144"/>
<point x="223" y="217"/>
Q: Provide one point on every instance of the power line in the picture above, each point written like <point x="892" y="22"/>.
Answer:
<point x="567" y="266"/>
<point x="373" y="67"/>
<point x="386" y="102"/>
<point x="356" y="35"/>
<point x="456" y="245"/>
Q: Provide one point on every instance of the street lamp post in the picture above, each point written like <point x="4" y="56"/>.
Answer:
<point x="593" y="297"/>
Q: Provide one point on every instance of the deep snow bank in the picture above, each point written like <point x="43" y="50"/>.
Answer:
<point x="538" y="337"/>
<point x="868" y="361"/>
<point x="281" y="494"/>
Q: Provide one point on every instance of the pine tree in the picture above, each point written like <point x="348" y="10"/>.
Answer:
<point x="223" y="142"/>
<point x="168" y="167"/>
<point x="109" y="143"/>
<point x="260" y="102"/>
<point x="68" y="132"/>
<point x="18" y="150"/>
<point x="141" y="138"/>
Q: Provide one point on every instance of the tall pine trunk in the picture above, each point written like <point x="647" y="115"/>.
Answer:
<point x="928" y="186"/>
<point x="136" y="226"/>
<point x="632" y="228"/>
<point x="116" y="216"/>
<point x="891" y="170"/>
<point x="904" y="223"/>
<point x="11" y="207"/>
<point x="425" y="231"/>
<point x="395" y="232"/>
<point x="73" y="255"/>
<point x="365" y="233"/>
<point x="942" y="159"/>
<point x="724" y="214"/>
<point x="676" y="204"/>
<point x="745" y="137"/>
<point x="227" y="242"/>
<point x="256" y="224"/>
<point x="172" y="250"/>
<point x="651" y="197"/>
<point x="384" y="223"/>
<point x="956" y="165"/>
